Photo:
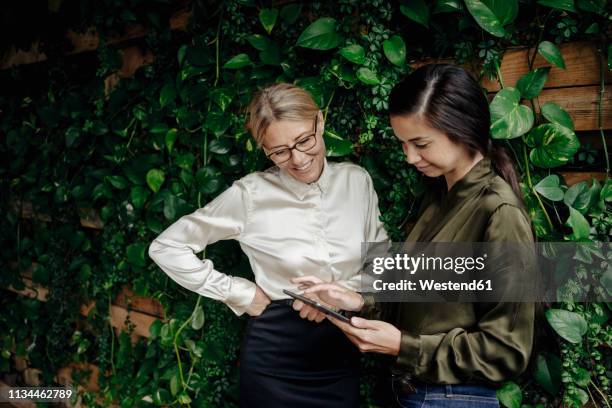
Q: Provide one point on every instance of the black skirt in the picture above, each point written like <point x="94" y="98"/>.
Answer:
<point x="287" y="361"/>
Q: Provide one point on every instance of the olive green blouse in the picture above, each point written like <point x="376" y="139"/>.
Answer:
<point x="450" y="343"/>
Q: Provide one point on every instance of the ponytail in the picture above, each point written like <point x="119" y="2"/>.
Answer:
<point x="503" y="166"/>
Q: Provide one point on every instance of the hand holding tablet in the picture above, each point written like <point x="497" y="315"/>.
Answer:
<point x="324" y="309"/>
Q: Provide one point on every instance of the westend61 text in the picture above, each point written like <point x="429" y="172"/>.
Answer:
<point x="429" y="284"/>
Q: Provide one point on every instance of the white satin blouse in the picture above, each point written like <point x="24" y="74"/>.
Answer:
<point x="285" y="227"/>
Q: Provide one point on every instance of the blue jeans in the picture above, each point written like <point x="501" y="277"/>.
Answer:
<point x="446" y="396"/>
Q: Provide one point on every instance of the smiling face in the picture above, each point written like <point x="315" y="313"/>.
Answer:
<point x="303" y="166"/>
<point x="430" y="150"/>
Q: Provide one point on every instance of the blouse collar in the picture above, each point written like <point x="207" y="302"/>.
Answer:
<point x="300" y="189"/>
<point x="472" y="182"/>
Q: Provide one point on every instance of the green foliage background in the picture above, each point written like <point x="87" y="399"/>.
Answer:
<point x="168" y="140"/>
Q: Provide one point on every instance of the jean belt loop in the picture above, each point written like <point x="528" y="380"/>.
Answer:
<point x="449" y="390"/>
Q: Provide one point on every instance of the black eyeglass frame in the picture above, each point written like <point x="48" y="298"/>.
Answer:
<point x="295" y="146"/>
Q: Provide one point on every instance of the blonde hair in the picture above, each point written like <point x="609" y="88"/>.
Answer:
<point x="278" y="102"/>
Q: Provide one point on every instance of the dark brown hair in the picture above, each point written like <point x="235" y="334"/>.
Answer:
<point x="450" y="100"/>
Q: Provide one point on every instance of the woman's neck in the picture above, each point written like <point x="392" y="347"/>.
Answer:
<point x="461" y="170"/>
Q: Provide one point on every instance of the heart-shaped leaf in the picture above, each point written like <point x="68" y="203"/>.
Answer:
<point x="551" y="53"/>
<point x="531" y="84"/>
<point x="485" y="17"/>
<point x="510" y="395"/>
<point x="447" y="6"/>
<point x="395" y="50"/>
<point x="320" y="35"/>
<point x="569" y="325"/>
<point x="509" y="119"/>
<point x="567" y="5"/>
<point x="237" y="62"/>
<point x="548" y="372"/>
<point x="197" y="318"/>
<point x="550" y="188"/>
<point x="167" y="94"/>
<point x="580" y="226"/>
<point x="336" y="146"/>
<point x="416" y="10"/>
<point x="594" y="6"/>
<point x="553" y="145"/>
<point x="367" y="76"/>
<point x="155" y="178"/>
<point x="258" y="41"/>
<point x="138" y="196"/>
<point x="171" y="136"/>
<point x="136" y="254"/>
<point x="268" y="17"/>
<point x="354" y="53"/>
<point x="291" y="12"/>
<point x="555" y="114"/>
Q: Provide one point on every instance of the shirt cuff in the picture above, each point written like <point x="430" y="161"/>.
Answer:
<point x="410" y="350"/>
<point x="241" y="295"/>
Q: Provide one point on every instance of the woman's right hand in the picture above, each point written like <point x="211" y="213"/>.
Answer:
<point x="259" y="303"/>
<point x="331" y="293"/>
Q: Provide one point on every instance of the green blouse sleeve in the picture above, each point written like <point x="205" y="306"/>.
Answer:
<point x="498" y="347"/>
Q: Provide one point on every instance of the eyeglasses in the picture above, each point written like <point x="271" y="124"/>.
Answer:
<point x="303" y="145"/>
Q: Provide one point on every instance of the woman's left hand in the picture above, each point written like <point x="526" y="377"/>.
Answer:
<point x="371" y="336"/>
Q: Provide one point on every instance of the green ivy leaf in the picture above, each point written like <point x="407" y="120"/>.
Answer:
<point x="155" y="329"/>
<point x="354" y="53"/>
<point x="485" y="17"/>
<point x="136" y="254"/>
<point x="71" y="135"/>
<point x="208" y="180"/>
<point x="510" y="395"/>
<point x="197" y="318"/>
<point x="567" y="5"/>
<point x="579" y="197"/>
<point x="155" y="178"/>
<point x="139" y="196"/>
<point x="549" y="188"/>
<point x="509" y="119"/>
<point x="237" y="62"/>
<point x="119" y="182"/>
<point x="367" y="76"/>
<point x="258" y="41"/>
<point x="580" y="226"/>
<point x="531" y="84"/>
<point x="320" y="35"/>
<point x="416" y="10"/>
<point x="174" y="383"/>
<point x="268" y="17"/>
<point x="217" y="123"/>
<point x="220" y="146"/>
<point x="335" y="145"/>
<point x="171" y="136"/>
<point x="505" y="10"/>
<point x="167" y="94"/>
<point x="395" y="50"/>
<point x="447" y="6"/>
<point x="548" y="372"/>
<point x="551" y="53"/>
<point x="222" y="97"/>
<point x="553" y="145"/>
<point x="594" y="6"/>
<point x="569" y="325"/>
<point x="291" y="12"/>
<point x="606" y="191"/>
<point x="555" y="114"/>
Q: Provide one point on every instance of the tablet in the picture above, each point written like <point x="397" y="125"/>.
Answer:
<point x="326" y="310"/>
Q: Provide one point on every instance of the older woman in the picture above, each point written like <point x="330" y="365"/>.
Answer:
<point x="302" y="217"/>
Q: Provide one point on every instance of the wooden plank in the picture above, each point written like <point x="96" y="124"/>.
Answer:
<point x="89" y="218"/>
<point x="575" y="177"/>
<point x="64" y="376"/>
<point x="32" y="290"/>
<point x="582" y="63"/>
<point x="581" y="104"/>
<point x="141" y="321"/>
<point x="88" y="41"/>
<point x="128" y="300"/>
